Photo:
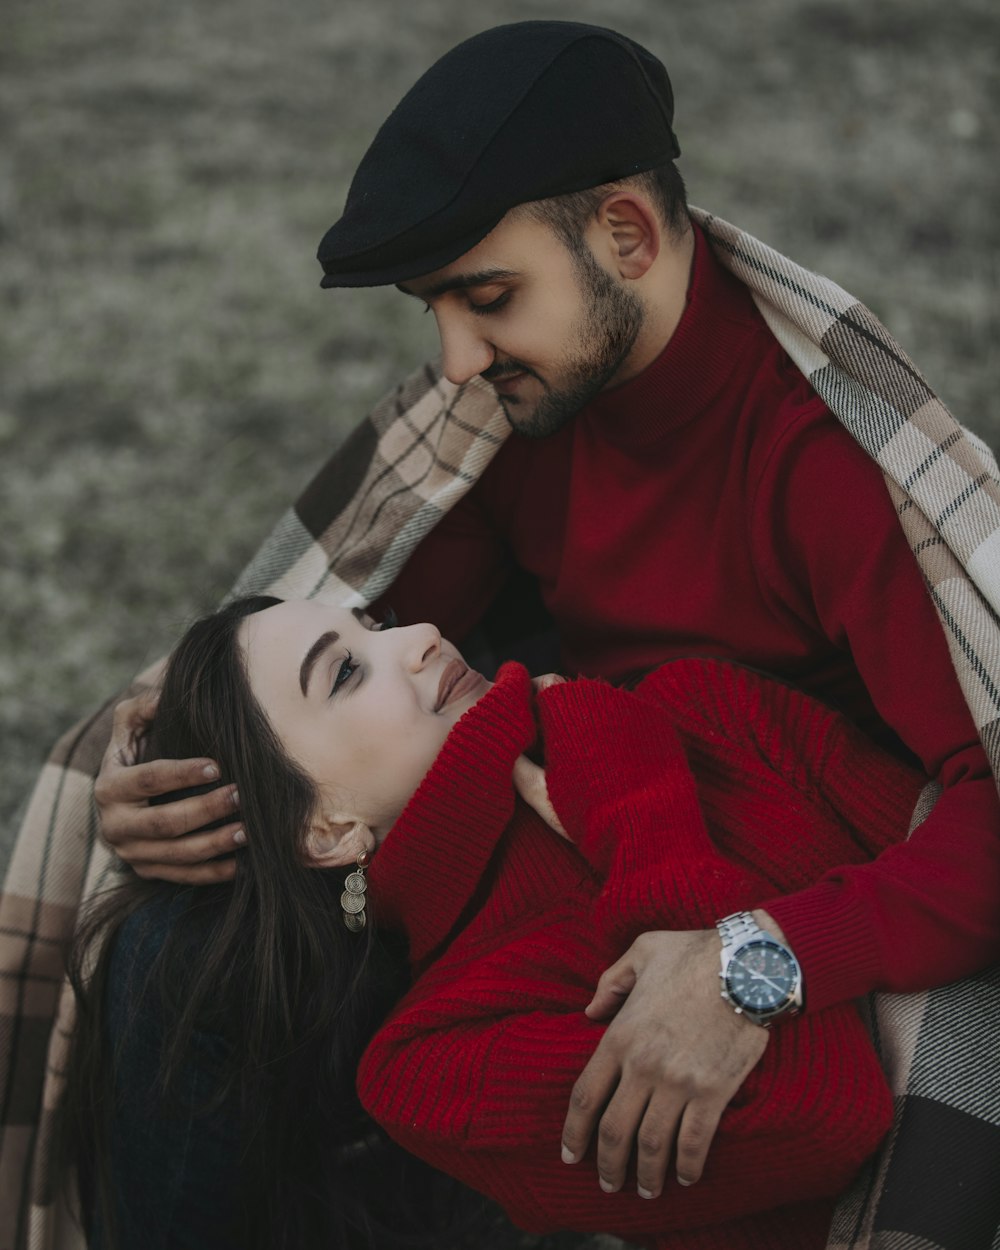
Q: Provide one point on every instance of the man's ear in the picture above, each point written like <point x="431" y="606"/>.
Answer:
<point x="632" y="230"/>
<point x="333" y="842"/>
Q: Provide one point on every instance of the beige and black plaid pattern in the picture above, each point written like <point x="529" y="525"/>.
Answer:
<point x="346" y="539"/>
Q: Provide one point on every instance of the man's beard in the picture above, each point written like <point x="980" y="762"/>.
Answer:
<point x="613" y="320"/>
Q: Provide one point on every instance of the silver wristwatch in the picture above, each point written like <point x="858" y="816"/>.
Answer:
<point x="760" y="976"/>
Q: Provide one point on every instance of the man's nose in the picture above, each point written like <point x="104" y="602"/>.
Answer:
<point x="464" y="351"/>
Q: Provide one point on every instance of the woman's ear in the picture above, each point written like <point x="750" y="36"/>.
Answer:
<point x="632" y="230"/>
<point x="332" y="842"/>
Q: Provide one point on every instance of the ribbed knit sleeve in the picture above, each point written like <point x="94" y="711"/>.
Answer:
<point x="755" y="743"/>
<point x="484" y="1099"/>
<point x="634" y="811"/>
<point x="645" y="779"/>
<point x="723" y="786"/>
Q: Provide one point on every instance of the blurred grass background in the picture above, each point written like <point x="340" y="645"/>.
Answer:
<point x="170" y="372"/>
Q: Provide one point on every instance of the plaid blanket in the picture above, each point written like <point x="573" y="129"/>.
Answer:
<point x="345" y="540"/>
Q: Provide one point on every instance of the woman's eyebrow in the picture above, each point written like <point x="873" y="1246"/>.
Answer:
<point x="312" y="655"/>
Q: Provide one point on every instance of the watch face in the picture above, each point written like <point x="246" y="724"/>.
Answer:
<point x="761" y="976"/>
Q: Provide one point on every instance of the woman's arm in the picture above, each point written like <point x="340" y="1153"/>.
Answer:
<point x="484" y="1101"/>
<point x="711" y="787"/>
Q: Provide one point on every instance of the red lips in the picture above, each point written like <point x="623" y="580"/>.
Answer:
<point x="457" y="680"/>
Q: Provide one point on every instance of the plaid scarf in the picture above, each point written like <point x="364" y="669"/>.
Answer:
<point x="934" y="1184"/>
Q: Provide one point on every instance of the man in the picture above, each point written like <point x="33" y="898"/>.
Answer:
<point x="673" y="486"/>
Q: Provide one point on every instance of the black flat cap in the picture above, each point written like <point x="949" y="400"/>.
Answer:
<point x="516" y="113"/>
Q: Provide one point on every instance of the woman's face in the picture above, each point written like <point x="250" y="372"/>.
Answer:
<point x="364" y="710"/>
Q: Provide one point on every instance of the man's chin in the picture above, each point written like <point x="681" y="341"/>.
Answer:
<point x="534" y="420"/>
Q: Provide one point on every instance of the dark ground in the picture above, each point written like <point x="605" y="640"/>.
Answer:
<point x="170" y="373"/>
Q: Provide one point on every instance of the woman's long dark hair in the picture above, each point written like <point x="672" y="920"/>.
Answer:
<point x="266" y="962"/>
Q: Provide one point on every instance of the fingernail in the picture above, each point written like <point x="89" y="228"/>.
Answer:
<point x="211" y="772"/>
<point x="568" y="1156"/>
<point x="607" y="1186"/>
<point x="234" y="794"/>
<point x="645" y="1193"/>
<point x="239" y="837"/>
<point x="682" y="1181"/>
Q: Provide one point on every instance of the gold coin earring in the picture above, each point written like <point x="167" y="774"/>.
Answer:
<point x="353" y="898"/>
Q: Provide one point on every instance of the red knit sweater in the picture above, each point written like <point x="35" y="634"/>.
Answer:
<point x="510" y="926"/>
<point x="713" y="506"/>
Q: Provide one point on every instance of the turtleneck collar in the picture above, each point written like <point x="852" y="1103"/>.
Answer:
<point x="719" y="322"/>
<point x="427" y="870"/>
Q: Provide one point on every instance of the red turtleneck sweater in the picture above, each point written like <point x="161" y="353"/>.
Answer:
<point x="697" y="795"/>
<point x="713" y="506"/>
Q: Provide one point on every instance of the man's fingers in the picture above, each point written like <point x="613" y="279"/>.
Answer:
<point x="698" y="1125"/>
<point x="200" y="874"/>
<point x="587" y="1101"/>
<point x="654" y="1143"/>
<point x="641" y="1116"/>
<point x="668" y="1064"/>
<point x="617" y="1132"/>
<point x="160" y="777"/>
<point x="156" y="839"/>
<point x="123" y="827"/>
<point x="136" y="712"/>
<point x="131" y="719"/>
<point x="135" y="783"/>
<point x="186" y="852"/>
<point x="614" y="986"/>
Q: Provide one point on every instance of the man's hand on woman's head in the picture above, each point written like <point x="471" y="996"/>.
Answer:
<point x="157" y="841"/>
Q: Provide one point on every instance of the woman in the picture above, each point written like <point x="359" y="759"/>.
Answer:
<point x="353" y="743"/>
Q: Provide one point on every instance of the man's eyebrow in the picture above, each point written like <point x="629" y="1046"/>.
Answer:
<point x="312" y="655"/>
<point x="461" y="282"/>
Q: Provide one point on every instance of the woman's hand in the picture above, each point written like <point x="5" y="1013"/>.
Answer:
<point x="529" y="778"/>
<point x="157" y="840"/>
<point x="529" y="782"/>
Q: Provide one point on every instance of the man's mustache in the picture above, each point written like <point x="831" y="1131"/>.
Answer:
<point x="505" y="369"/>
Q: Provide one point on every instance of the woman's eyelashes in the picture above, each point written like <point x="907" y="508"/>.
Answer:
<point x="389" y="620"/>
<point x="345" y="671"/>
<point x="347" y="666"/>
